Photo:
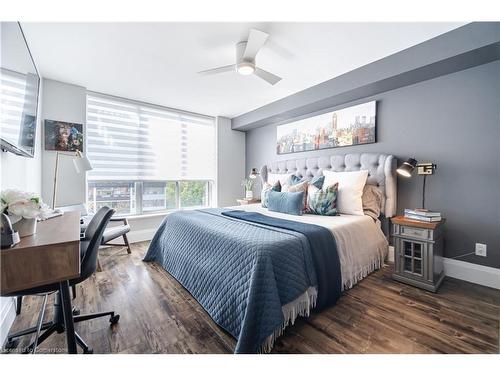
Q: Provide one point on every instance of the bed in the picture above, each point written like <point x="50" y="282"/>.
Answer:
<point x="255" y="272"/>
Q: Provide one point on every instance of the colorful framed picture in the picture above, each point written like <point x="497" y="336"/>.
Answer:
<point x="350" y="126"/>
<point x="63" y="136"/>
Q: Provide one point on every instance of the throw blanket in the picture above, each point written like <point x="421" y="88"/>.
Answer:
<point x="241" y="272"/>
<point x="323" y="251"/>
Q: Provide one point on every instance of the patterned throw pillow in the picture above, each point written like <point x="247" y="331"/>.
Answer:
<point x="322" y="201"/>
<point x="264" y="195"/>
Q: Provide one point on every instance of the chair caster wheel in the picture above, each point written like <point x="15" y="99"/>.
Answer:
<point x="76" y="312"/>
<point x="88" y="351"/>
<point x="114" y="319"/>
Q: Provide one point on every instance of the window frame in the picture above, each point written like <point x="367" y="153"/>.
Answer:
<point x="138" y="187"/>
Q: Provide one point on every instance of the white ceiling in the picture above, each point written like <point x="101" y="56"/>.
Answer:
<point x="157" y="62"/>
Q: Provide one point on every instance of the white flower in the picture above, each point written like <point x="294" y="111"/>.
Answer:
<point x="21" y="203"/>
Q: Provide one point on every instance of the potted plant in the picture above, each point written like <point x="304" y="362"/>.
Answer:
<point x="23" y="209"/>
<point x="248" y="184"/>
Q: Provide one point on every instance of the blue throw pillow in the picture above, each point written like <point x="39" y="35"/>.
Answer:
<point x="285" y="202"/>
<point x="264" y="196"/>
<point x="318" y="181"/>
<point x="293" y="180"/>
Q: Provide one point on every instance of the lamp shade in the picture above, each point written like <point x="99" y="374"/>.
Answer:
<point x="253" y="174"/>
<point x="407" y="167"/>
<point x="82" y="163"/>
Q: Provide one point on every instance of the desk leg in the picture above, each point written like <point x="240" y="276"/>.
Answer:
<point x="68" y="316"/>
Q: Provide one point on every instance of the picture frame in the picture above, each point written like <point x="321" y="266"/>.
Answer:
<point x="63" y="136"/>
<point x="350" y="126"/>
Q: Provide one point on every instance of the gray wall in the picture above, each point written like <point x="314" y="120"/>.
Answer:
<point x="454" y="121"/>
<point x="230" y="163"/>
<point x="62" y="102"/>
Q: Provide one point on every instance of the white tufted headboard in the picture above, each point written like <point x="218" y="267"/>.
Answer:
<point x="381" y="171"/>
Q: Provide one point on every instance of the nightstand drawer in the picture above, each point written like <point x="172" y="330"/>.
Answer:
<point x="424" y="234"/>
<point x="413" y="232"/>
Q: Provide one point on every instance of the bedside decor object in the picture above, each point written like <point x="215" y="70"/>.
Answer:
<point x="418" y="258"/>
<point x="349" y="126"/>
<point x="423" y="169"/>
<point x="8" y="236"/>
<point x="419" y="215"/>
<point x="81" y="164"/>
<point x="63" y="136"/>
<point x="24" y="209"/>
<point x="248" y="184"/>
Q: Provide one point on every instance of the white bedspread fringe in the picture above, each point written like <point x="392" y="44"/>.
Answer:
<point x="365" y="271"/>
<point x="302" y="305"/>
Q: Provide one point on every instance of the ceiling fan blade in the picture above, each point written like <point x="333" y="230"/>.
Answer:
<point x="221" y="69"/>
<point x="266" y="76"/>
<point x="256" y="40"/>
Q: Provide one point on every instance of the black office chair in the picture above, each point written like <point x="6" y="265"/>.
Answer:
<point x="89" y="247"/>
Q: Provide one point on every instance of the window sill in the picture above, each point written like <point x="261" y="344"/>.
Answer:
<point x="157" y="214"/>
<point x="145" y="216"/>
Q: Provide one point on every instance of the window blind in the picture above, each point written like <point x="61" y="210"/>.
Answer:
<point x="13" y="98"/>
<point x="128" y="140"/>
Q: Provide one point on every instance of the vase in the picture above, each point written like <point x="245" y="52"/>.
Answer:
<point x="249" y="194"/>
<point x="25" y="227"/>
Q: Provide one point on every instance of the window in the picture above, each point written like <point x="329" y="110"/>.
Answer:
<point x="147" y="158"/>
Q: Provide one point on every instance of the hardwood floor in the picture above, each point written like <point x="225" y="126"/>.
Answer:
<point x="378" y="315"/>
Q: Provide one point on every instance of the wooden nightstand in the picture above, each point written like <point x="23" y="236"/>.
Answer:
<point x="244" y="201"/>
<point x="418" y="255"/>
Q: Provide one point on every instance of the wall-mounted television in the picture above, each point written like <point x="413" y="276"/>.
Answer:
<point x="19" y="86"/>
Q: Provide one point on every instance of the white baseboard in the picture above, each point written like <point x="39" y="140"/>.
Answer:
<point x="390" y="254"/>
<point x="474" y="273"/>
<point x="7" y="316"/>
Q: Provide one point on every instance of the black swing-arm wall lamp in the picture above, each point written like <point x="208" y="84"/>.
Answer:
<point x="423" y="169"/>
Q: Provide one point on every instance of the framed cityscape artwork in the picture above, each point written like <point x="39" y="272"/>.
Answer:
<point x="350" y="126"/>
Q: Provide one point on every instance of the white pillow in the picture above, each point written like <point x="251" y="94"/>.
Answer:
<point x="350" y="191"/>
<point x="281" y="177"/>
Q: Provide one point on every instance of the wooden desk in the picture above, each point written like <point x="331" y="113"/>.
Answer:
<point x="49" y="256"/>
<point x="52" y="255"/>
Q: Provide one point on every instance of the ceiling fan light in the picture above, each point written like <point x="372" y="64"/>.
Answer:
<point x="245" y="69"/>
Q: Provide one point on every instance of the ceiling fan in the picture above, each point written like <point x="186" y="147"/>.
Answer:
<point x="246" y="52"/>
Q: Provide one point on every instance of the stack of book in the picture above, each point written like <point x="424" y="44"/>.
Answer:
<point x="422" y="215"/>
